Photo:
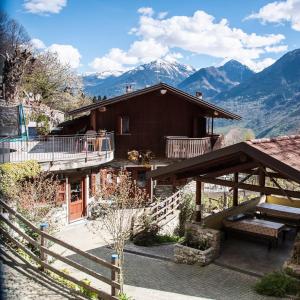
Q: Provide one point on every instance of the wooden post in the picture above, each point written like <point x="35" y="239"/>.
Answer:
<point x="262" y="179"/>
<point x="114" y="275"/>
<point x="199" y="189"/>
<point x="43" y="226"/>
<point x="236" y="190"/>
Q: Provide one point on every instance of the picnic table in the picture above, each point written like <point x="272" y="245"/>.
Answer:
<point x="256" y="227"/>
<point x="279" y="211"/>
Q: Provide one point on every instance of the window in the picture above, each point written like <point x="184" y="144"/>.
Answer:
<point x="123" y="125"/>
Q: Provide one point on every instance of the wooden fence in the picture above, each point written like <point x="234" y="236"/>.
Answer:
<point x="44" y="265"/>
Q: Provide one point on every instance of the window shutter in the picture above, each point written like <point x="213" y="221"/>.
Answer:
<point x="93" y="184"/>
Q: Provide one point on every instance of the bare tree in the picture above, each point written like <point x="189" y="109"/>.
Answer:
<point x="36" y="197"/>
<point x="121" y="202"/>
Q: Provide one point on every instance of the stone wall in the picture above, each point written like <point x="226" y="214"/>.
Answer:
<point x="196" y="233"/>
<point x="292" y="265"/>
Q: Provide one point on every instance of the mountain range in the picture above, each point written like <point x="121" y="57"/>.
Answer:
<point x="139" y="77"/>
<point x="268" y="101"/>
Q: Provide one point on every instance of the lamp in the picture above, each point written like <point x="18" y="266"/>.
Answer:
<point x="163" y="91"/>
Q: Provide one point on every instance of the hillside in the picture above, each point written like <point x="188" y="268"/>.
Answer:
<point x="212" y="80"/>
<point x="269" y="101"/>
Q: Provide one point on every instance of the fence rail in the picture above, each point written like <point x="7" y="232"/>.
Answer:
<point x="44" y="265"/>
<point x="181" y="147"/>
<point x="57" y="148"/>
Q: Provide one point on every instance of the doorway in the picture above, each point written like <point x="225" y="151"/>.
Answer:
<point x="76" y="199"/>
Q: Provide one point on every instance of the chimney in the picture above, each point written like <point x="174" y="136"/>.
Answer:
<point x="128" y="89"/>
<point x="199" y="95"/>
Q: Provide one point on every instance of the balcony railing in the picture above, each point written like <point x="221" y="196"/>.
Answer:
<point x="184" y="147"/>
<point x="51" y="149"/>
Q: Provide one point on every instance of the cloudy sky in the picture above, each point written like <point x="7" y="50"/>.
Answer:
<point x="116" y="35"/>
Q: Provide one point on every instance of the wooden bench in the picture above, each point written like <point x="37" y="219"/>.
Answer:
<point x="281" y="212"/>
<point x="256" y="227"/>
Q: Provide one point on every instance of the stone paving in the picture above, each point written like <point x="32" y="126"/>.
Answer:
<point x="21" y="282"/>
<point x="145" y="278"/>
<point x="148" y="279"/>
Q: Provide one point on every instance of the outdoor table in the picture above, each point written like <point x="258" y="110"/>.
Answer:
<point x="279" y="211"/>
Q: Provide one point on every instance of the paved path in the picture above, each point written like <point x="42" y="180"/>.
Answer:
<point x="21" y="282"/>
<point x="148" y="278"/>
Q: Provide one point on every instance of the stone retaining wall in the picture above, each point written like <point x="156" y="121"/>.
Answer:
<point x="188" y="255"/>
<point x="292" y="265"/>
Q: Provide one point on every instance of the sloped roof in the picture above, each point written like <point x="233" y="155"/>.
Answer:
<point x="208" y="106"/>
<point x="280" y="154"/>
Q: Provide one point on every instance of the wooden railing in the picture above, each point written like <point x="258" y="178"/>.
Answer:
<point x="162" y="209"/>
<point x="44" y="265"/>
<point x="183" y="147"/>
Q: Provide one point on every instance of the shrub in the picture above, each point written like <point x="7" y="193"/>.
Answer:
<point x="12" y="173"/>
<point x="123" y="296"/>
<point x="162" y="239"/>
<point x="43" y="127"/>
<point x="277" y="284"/>
<point x="187" y="209"/>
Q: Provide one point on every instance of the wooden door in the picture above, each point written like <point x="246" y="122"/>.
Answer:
<point x="76" y="199"/>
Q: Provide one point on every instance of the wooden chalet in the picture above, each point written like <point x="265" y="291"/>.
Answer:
<point x="160" y="121"/>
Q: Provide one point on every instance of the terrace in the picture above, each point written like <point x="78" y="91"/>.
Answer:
<point x="60" y="152"/>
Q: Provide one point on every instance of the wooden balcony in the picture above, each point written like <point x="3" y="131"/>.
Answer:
<point x="184" y="147"/>
<point x="60" y="152"/>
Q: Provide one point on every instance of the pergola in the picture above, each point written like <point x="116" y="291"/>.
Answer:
<point x="277" y="158"/>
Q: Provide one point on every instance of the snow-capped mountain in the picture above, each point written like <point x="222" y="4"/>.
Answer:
<point x="144" y="75"/>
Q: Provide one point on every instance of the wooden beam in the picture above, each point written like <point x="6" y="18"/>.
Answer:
<point x="236" y="190"/>
<point x="199" y="190"/>
<point x="238" y="168"/>
<point x="250" y="187"/>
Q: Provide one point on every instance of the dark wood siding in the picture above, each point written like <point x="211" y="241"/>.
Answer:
<point x="152" y="117"/>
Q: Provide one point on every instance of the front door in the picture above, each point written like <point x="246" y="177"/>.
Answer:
<point x="76" y="199"/>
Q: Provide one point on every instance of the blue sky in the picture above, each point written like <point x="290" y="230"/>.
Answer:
<point x="105" y="35"/>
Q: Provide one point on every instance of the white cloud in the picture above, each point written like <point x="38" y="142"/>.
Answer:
<point x="115" y="60"/>
<point x="199" y="34"/>
<point x="37" y="44"/>
<point x="147" y="50"/>
<point x="162" y="14"/>
<point x="259" y="65"/>
<point x="279" y="12"/>
<point x="147" y="11"/>
<point x="67" y="54"/>
<point x="44" y="6"/>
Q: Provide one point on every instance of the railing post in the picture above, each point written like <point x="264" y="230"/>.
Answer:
<point x="53" y="149"/>
<point x="114" y="275"/>
<point x="86" y="149"/>
<point x="43" y="226"/>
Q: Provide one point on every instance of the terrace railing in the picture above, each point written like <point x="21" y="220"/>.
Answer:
<point x="58" y="148"/>
<point x="184" y="147"/>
